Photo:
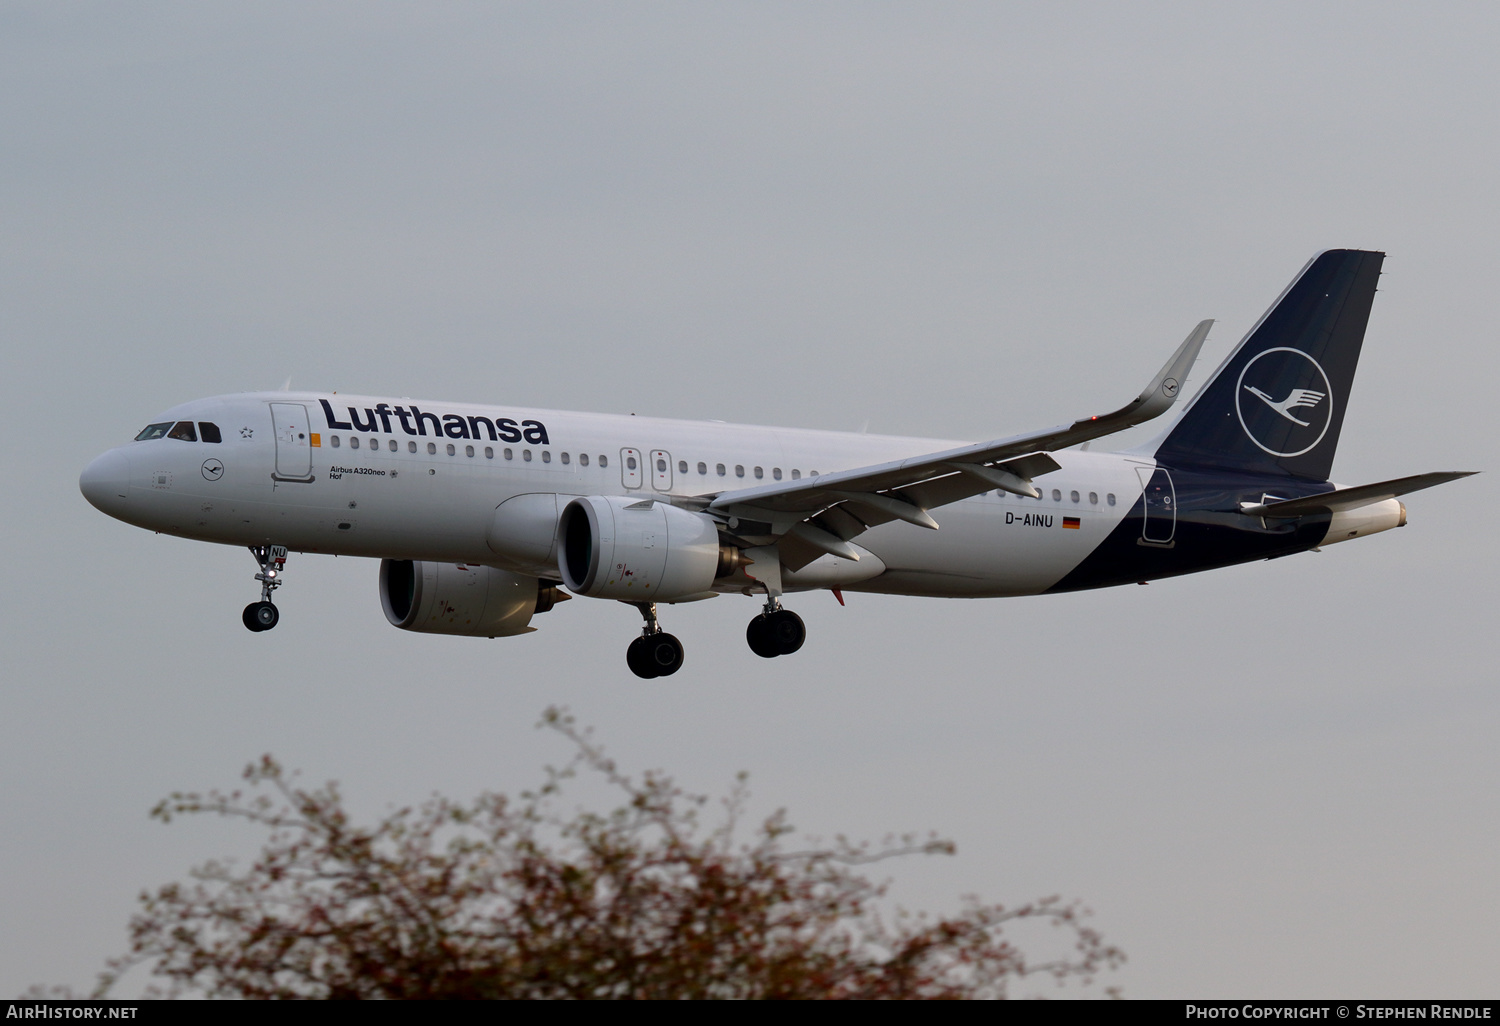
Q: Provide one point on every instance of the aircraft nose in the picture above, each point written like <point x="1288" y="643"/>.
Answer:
<point x="106" y="482"/>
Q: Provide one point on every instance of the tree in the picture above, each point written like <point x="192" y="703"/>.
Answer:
<point x="507" y="898"/>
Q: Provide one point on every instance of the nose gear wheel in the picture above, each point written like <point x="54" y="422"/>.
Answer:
<point x="260" y="616"/>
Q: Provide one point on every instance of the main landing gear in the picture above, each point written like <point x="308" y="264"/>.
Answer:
<point x="263" y="615"/>
<point x="776" y="631"/>
<point x="655" y="653"/>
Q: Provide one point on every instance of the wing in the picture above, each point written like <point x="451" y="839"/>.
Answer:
<point x="820" y="515"/>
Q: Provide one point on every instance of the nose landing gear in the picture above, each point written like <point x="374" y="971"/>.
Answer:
<point x="263" y="615"/>
<point x="655" y="653"/>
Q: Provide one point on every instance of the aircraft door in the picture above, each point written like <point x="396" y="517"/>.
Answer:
<point x="630" y="468"/>
<point x="661" y="470"/>
<point x="293" y="444"/>
<point x="1159" y="521"/>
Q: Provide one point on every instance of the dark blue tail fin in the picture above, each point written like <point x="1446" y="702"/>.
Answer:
<point x="1276" y="404"/>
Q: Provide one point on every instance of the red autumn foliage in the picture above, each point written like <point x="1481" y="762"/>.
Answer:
<point x="505" y="898"/>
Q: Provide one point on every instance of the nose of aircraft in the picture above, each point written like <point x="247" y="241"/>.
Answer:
<point x="106" y="482"/>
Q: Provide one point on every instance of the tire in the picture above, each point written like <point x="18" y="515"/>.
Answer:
<point x="665" y="654"/>
<point x="787" y="631"/>
<point x="758" y="636"/>
<point x="249" y="618"/>
<point x="638" y="658"/>
<point x="266" y="615"/>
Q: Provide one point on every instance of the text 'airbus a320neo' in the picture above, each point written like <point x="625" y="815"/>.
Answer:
<point x="484" y="517"/>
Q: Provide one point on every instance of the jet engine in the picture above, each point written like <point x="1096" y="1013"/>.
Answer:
<point x="640" y="550"/>
<point x="461" y="598"/>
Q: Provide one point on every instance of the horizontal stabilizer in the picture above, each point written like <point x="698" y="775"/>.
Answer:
<point x="1351" y="498"/>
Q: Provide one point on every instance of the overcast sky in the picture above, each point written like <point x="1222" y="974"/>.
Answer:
<point x="954" y="220"/>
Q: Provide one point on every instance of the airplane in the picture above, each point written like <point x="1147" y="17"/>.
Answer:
<point x="484" y="517"/>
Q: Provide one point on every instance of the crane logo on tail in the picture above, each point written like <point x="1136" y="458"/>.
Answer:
<point x="1298" y="397"/>
<point x="1296" y="422"/>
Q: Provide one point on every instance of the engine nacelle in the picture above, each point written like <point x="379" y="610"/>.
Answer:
<point x="638" y="550"/>
<point x="449" y="598"/>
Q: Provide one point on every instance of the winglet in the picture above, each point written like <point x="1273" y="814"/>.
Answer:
<point x="1164" y="389"/>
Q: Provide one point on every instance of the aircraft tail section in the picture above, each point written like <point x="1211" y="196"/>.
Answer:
<point x="1276" y="405"/>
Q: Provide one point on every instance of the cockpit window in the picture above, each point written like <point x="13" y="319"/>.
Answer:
<point x="209" y="432"/>
<point x="151" y="431"/>
<point x="183" y="431"/>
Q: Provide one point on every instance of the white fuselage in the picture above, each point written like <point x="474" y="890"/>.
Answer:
<point x="424" y="481"/>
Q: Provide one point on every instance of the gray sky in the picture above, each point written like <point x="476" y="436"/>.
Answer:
<point x="941" y="219"/>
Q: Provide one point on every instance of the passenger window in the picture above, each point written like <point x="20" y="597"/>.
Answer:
<point x="796" y="475"/>
<point x="702" y="468"/>
<point x="354" y="441"/>
<point x="210" y="432"/>
<point x="184" y="432"/>
<point x="432" y="448"/>
<point x="1073" y="496"/>
<point x="1057" y="495"/>
<point x="661" y="466"/>
<point x="566" y="459"/>
<point x="489" y="453"/>
<point x="546" y="455"/>
<point x="468" y="450"/>
<point x="812" y="473"/>
<point x="583" y="459"/>
<point x="391" y="445"/>
<point x="526" y="455"/>
<point x="1093" y="498"/>
<point x="509" y="454"/>
<point x="719" y="467"/>
<point x="603" y="461"/>
<point x="682" y="466"/>
<point x="1110" y="498"/>
<point x="776" y="473"/>
<point x="333" y="440"/>
<point x="411" y="446"/>
<point x="451" y="450"/>
<point x="629" y="462"/>
<point x="151" y="431"/>
<point x="739" y="470"/>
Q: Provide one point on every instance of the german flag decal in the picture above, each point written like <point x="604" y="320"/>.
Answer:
<point x="1071" y="523"/>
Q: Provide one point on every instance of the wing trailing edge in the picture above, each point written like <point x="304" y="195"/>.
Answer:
<point x="842" y="505"/>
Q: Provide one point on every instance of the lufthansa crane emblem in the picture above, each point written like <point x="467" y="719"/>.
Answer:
<point x="1284" y="401"/>
<point x="213" y="470"/>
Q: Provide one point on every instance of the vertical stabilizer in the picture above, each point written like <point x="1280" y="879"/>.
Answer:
<point x="1277" y="403"/>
